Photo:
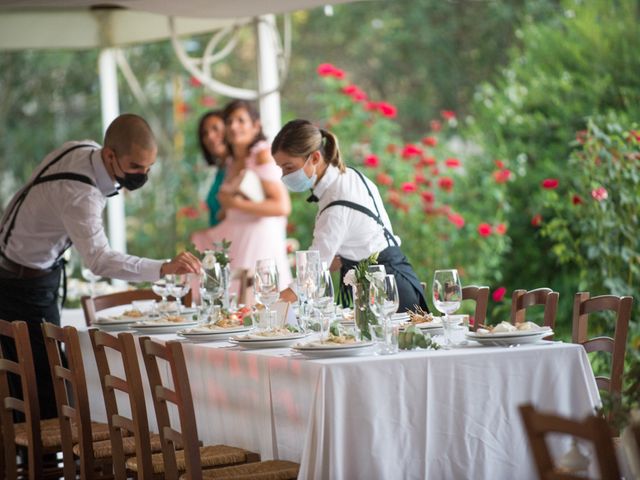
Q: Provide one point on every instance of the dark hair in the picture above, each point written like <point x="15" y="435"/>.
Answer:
<point x="127" y="130"/>
<point x="253" y="114"/>
<point x="209" y="157"/>
<point x="300" y="138"/>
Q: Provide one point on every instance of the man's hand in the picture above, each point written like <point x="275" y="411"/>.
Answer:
<point x="287" y="295"/>
<point x="184" y="263"/>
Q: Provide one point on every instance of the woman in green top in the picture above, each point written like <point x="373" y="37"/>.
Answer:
<point x="214" y="151"/>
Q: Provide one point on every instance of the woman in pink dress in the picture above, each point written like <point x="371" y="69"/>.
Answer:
<point x="256" y="229"/>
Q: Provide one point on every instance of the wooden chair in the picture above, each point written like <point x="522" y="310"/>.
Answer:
<point x="91" y="305"/>
<point x="33" y="429"/>
<point x="130" y="435"/>
<point x="521" y="300"/>
<point x="78" y="432"/>
<point x="241" y="275"/>
<point x="192" y="459"/>
<point x="594" y="429"/>
<point x="616" y="345"/>
<point x="480" y="295"/>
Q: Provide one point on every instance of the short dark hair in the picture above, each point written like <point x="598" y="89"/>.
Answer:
<point x="127" y="130"/>
<point x="209" y="157"/>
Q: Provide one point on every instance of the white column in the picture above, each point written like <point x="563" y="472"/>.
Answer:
<point x="110" y="110"/>
<point x="268" y="75"/>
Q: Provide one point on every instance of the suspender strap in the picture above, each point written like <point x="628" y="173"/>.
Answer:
<point x="64" y="176"/>
<point x="367" y="212"/>
<point x="375" y="205"/>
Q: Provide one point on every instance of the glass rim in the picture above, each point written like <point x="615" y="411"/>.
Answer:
<point x="446" y="270"/>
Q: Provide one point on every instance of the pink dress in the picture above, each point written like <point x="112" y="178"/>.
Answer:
<point x="252" y="237"/>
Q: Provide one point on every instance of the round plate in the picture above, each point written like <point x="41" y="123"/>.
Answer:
<point x="196" y="334"/>
<point x="508" y="338"/>
<point x="169" y="327"/>
<point x="267" y="342"/>
<point x="318" y="350"/>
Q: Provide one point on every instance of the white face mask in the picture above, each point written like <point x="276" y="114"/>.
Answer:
<point x="298" y="181"/>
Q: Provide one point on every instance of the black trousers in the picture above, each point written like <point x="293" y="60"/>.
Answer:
<point x="35" y="301"/>
<point x="395" y="263"/>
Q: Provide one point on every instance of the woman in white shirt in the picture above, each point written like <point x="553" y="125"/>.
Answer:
<point x="352" y="222"/>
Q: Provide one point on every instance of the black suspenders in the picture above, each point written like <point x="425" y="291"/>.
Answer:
<point x="42" y="178"/>
<point x="360" y="208"/>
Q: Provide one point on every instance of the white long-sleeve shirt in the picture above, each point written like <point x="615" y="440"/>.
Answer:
<point x="341" y="230"/>
<point x="61" y="209"/>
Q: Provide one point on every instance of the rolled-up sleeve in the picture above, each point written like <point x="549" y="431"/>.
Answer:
<point x="329" y="232"/>
<point x="82" y="219"/>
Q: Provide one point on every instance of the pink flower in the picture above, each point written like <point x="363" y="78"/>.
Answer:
<point x="456" y="219"/>
<point x="387" y="110"/>
<point x="499" y="164"/>
<point x="408" y="187"/>
<point x="484" y="229"/>
<point x="419" y="178"/>
<point x="600" y="193"/>
<point x="427" y="196"/>
<point x="208" y="101"/>
<point x="194" y="82"/>
<point x="501" y="229"/>
<point x="354" y="92"/>
<point x="384" y="179"/>
<point x="435" y="125"/>
<point x="434" y="171"/>
<point x="446" y="184"/>
<point x="502" y="176"/>
<point x="430" y="141"/>
<point x="452" y="162"/>
<point x="498" y="294"/>
<point x="371" y="161"/>
<point x="411" y="150"/>
<point x="550" y="183"/>
<point x="536" y="220"/>
<point x="329" y="70"/>
<point x="448" y="114"/>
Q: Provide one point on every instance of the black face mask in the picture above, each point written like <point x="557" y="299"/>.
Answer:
<point x="131" y="181"/>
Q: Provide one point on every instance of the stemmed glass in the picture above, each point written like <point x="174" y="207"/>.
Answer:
<point x="179" y="288"/>
<point x="384" y="301"/>
<point x="265" y="284"/>
<point x="307" y="279"/>
<point x="211" y="286"/>
<point x="323" y="301"/>
<point x="160" y="288"/>
<point x="447" y="296"/>
<point x="90" y="277"/>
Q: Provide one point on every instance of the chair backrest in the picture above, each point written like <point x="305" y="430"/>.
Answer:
<point x="583" y="305"/>
<point x="17" y="332"/>
<point x="180" y="396"/>
<point x="521" y="300"/>
<point x="481" y="296"/>
<point x="91" y="305"/>
<point x="593" y="428"/>
<point x="121" y="425"/>
<point x="241" y="275"/>
<point x="72" y="400"/>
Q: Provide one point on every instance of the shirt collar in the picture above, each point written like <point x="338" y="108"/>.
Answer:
<point x="330" y="175"/>
<point x="104" y="182"/>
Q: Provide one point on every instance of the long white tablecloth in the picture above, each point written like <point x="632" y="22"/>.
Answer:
<point x="415" y="415"/>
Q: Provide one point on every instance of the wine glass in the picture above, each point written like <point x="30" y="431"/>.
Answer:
<point x="211" y="286"/>
<point x="266" y="284"/>
<point x="323" y="300"/>
<point x="308" y="269"/>
<point x="90" y="277"/>
<point x="447" y="296"/>
<point x="160" y="289"/>
<point x="179" y="288"/>
<point x="384" y="300"/>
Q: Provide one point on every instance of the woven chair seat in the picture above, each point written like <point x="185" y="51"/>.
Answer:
<point x="52" y="436"/>
<point x="210" y="456"/>
<point x="268" y="470"/>
<point x="103" y="450"/>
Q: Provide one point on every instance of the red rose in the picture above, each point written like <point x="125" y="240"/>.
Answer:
<point x="448" y="114"/>
<point x="502" y="176"/>
<point x="456" y="219"/>
<point x="194" y="82"/>
<point x="435" y="125"/>
<point x="427" y="196"/>
<point x="434" y="171"/>
<point x="371" y="161"/>
<point x="498" y="294"/>
<point x="576" y="199"/>
<point x="428" y="161"/>
<point x="354" y="92"/>
<point x="536" y="220"/>
<point x="408" y="187"/>
<point x="371" y="106"/>
<point x="419" y="178"/>
<point x="384" y="179"/>
<point x="484" y="229"/>
<point x="411" y="150"/>
<point x="208" y="101"/>
<point x="430" y="141"/>
<point x="499" y="164"/>
<point x="452" y="162"/>
<point x="446" y="184"/>
<point x="600" y="193"/>
<point x="501" y="229"/>
<point x="329" y="70"/>
<point x="550" y="183"/>
<point x="387" y="110"/>
<point x="634" y="134"/>
<point x="188" y="212"/>
<point x="349" y="89"/>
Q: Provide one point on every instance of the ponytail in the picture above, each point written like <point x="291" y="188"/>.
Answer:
<point x="300" y="138"/>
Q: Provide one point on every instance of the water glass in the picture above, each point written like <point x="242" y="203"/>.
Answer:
<point x="179" y="289"/>
<point x="323" y="301"/>
<point x="447" y="297"/>
<point x="384" y="300"/>
<point x="265" y="283"/>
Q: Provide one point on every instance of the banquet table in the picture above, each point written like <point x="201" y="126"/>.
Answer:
<point x="444" y="414"/>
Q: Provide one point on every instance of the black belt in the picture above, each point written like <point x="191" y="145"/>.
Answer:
<point x="20" y="271"/>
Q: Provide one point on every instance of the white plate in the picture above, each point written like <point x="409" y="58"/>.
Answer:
<point x="516" y="333"/>
<point x="118" y="320"/>
<point x="427" y="326"/>
<point x="267" y="342"/>
<point x="169" y="327"/>
<point x="497" y="339"/>
<point x="318" y="350"/>
<point x="212" y="335"/>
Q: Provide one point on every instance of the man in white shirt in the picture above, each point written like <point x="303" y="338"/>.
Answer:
<point x="62" y="204"/>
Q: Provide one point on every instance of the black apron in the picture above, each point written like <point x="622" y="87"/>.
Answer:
<point x="35" y="300"/>
<point x="409" y="289"/>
